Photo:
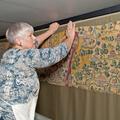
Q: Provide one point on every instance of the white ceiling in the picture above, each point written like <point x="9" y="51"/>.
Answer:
<point x="39" y="12"/>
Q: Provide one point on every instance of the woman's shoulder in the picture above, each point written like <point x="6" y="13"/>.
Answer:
<point x="10" y="55"/>
<point x="10" y="52"/>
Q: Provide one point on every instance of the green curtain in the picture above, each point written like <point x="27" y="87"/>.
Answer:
<point x="70" y="103"/>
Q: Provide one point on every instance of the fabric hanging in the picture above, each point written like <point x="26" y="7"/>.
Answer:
<point x="95" y="62"/>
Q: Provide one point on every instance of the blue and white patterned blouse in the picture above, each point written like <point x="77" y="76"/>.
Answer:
<point x="19" y="83"/>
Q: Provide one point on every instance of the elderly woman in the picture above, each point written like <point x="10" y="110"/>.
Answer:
<point x="19" y="85"/>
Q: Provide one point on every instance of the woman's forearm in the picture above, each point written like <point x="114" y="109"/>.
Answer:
<point x="51" y="30"/>
<point x="41" y="38"/>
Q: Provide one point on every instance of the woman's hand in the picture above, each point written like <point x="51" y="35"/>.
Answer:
<point x="70" y="32"/>
<point x="53" y="27"/>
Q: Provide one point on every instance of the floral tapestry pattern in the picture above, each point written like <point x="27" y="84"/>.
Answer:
<point x="95" y="64"/>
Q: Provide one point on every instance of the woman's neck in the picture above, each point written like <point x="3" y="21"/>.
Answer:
<point x="17" y="46"/>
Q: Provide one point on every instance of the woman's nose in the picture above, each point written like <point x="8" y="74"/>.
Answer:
<point x="33" y="37"/>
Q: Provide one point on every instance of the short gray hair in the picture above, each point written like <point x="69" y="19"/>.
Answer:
<point x="18" y="30"/>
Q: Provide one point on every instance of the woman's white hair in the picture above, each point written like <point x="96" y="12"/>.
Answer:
<point x="18" y="30"/>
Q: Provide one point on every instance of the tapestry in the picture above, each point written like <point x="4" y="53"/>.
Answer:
<point x="93" y="62"/>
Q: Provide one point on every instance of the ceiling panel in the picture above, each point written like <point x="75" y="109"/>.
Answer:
<point x="39" y="12"/>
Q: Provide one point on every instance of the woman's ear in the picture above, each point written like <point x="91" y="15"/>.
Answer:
<point x="18" y="42"/>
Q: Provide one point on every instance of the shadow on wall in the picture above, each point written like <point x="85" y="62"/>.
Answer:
<point x="3" y="47"/>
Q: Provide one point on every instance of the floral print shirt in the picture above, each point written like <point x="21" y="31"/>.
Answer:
<point x="18" y="78"/>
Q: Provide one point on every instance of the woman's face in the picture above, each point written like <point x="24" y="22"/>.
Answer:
<point x="28" y="41"/>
